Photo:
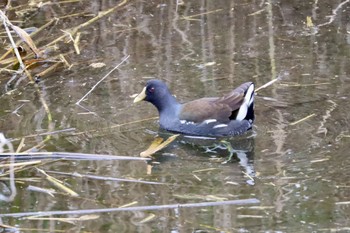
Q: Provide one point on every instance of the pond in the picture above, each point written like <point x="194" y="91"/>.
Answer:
<point x="290" y="173"/>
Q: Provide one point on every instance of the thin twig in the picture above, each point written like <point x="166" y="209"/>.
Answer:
<point x="200" y="14"/>
<point x="116" y="67"/>
<point x="303" y="119"/>
<point x="48" y="70"/>
<point x="9" y="71"/>
<point x="67" y="156"/>
<point x="21" y="164"/>
<point x="92" y="130"/>
<point x="20" y="146"/>
<point x="44" y="134"/>
<point x="267" y="84"/>
<point x="303" y="85"/>
<point x="76" y="43"/>
<point x="8" y="6"/>
<point x="58" y="184"/>
<point x="136" y="208"/>
<point x="105" y="178"/>
<point x="89" y="22"/>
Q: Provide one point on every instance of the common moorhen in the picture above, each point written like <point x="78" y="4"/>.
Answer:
<point x="232" y="114"/>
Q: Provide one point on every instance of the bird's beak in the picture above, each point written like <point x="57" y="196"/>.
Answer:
<point x="140" y="96"/>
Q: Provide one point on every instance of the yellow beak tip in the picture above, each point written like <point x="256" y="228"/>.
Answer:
<point x="140" y="96"/>
<point x="136" y="100"/>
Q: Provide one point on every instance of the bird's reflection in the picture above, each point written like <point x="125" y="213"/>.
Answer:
<point x="228" y="150"/>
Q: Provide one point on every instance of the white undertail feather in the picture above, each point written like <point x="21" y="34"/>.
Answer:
<point x="248" y="100"/>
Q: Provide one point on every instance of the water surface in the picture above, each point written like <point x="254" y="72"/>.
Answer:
<point x="298" y="170"/>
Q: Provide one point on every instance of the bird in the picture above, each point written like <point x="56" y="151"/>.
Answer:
<point x="229" y="115"/>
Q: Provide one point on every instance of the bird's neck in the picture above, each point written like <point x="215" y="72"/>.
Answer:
<point x="168" y="109"/>
<point x="167" y="105"/>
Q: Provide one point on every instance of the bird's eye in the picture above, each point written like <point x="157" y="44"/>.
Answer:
<point x="151" y="90"/>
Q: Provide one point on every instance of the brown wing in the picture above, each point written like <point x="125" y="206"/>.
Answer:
<point x="220" y="109"/>
<point x="204" y="109"/>
<point x="235" y="98"/>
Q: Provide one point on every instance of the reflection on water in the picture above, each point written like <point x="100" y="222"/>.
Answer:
<point x="225" y="151"/>
<point x="295" y="164"/>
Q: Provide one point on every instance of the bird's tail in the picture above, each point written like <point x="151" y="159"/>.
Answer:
<point x="246" y="111"/>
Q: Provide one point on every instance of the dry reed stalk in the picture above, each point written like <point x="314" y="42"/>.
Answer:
<point x="74" y="30"/>
<point x="303" y="119"/>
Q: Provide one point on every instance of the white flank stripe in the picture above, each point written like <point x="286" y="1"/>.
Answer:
<point x="198" y="137"/>
<point x="186" y="122"/>
<point x="219" y="126"/>
<point x="209" y="121"/>
<point x="248" y="100"/>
